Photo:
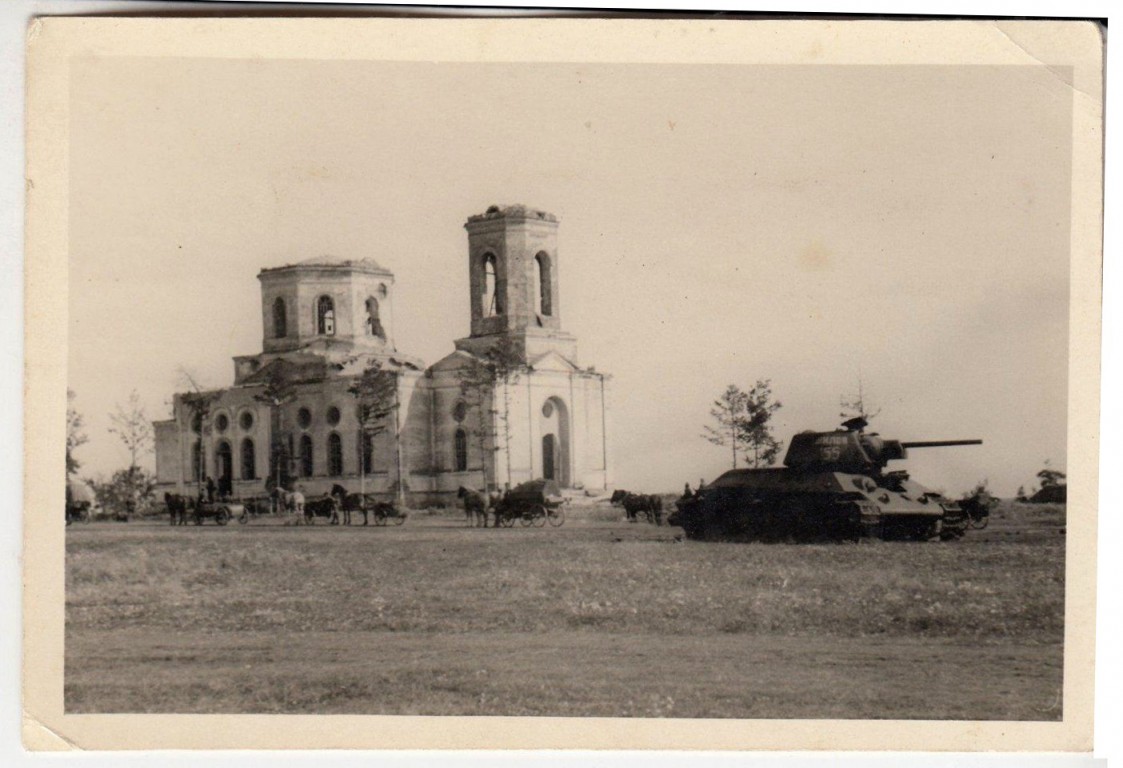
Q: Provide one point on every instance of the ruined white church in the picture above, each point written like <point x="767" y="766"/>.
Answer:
<point x="326" y="320"/>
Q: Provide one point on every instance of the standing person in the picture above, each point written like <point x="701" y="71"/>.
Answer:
<point x="210" y="488"/>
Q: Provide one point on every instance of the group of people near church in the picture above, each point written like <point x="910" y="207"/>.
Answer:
<point x="210" y="491"/>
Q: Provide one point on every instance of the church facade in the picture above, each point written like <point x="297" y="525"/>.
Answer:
<point x="326" y="321"/>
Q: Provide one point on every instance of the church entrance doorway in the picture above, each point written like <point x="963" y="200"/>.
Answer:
<point x="553" y="425"/>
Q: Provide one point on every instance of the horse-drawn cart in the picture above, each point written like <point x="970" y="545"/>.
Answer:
<point x="533" y="503"/>
<point x="222" y="512"/>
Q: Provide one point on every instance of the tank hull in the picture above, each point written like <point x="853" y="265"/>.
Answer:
<point x="782" y="504"/>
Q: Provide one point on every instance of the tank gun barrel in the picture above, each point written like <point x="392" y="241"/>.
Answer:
<point x="939" y="443"/>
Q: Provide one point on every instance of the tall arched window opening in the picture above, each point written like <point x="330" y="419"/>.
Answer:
<point x="325" y="316"/>
<point x="366" y="449"/>
<point x="306" y="464"/>
<point x="335" y="455"/>
<point x="544" y="301"/>
<point x="280" y="321"/>
<point x="223" y="466"/>
<point x="249" y="463"/>
<point x="492" y="299"/>
<point x="374" y="322"/>
<point x="460" y="446"/>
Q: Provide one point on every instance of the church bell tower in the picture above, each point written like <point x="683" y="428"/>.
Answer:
<point x="513" y="279"/>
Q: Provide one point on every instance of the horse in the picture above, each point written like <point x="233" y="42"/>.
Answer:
<point x="177" y="507"/>
<point x="618" y="497"/>
<point x="476" y="504"/>
<point x="347" y="503"/>
<point x="292" y="501"/>
<point x="651" y="505"/>
<point x="323" y="506"/>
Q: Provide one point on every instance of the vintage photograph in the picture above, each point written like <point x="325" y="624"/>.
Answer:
<point x="568" y="388"/>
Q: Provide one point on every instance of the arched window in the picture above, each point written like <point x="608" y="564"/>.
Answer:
<point x="460" y="446"/>
<point x="544" y="301"/>
<point x="325" y="316"/>
<point x="335" y="455"/>
<point x="223" y="460"/>
<point x="366" y="450"/>
<point x="280" y="322"/>
<point x="249" y="463"/>
<point x="374" y="323"/>
<point x="306" y="465"/>
<point x="492" y="299"/>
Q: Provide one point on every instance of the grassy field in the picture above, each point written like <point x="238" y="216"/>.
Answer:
<point x="595" y="618"/>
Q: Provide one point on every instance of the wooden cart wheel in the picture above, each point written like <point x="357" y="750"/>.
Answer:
<point x="398" y="518"/>
<point x="222" y="516"/>
<point x="526" y="519"/>
<point x="555" y="515"/>
<point x="538" y="515"/>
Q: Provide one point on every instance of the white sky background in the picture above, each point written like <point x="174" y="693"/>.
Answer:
<point x="718" y="224"/>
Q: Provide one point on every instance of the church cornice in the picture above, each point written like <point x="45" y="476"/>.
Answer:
<point x="329" y="265"/>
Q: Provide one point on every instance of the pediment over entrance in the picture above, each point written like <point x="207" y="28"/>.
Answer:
<point x="552" y="361"/>
<point x="452" y="362"/>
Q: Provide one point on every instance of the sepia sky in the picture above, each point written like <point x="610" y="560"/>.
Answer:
<point x="719" y="224"/>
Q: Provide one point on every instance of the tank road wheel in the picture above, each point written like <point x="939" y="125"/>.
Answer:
<point x="222" y="516"/>
<point x="555" y="515"/>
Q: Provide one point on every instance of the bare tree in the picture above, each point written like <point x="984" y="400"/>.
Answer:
<point x="376" y="391"/>
<point x="75" y="437"/>
<point x="476" y="388"/>
<point x="728" y="413"/>
<point x="131" y="424"/>
<point x="278" y="389"/>
<point x="499" y="368"/>
<point x="754" y="432"/>
<point x="198" y="404"/>
<point x="857" y="405"/>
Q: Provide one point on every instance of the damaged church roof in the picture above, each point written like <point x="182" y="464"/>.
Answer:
<point x="327" y="261"/>
<point x="517" y="211"/>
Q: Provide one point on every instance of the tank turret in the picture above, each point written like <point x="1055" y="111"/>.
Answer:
<point x="852" y="450"/>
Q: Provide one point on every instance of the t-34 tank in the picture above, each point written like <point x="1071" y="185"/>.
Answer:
<point x="833" y="485"/>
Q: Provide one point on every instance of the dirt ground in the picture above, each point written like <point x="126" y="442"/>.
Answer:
<point x="595" y="618"/>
